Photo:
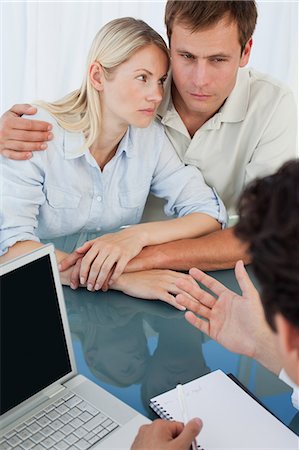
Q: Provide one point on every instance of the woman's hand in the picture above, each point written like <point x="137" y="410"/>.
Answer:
<point x="108" y="253"/>
<point x="153" y="284"/>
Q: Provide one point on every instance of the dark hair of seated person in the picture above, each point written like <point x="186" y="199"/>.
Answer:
<point x="269" y="223"/>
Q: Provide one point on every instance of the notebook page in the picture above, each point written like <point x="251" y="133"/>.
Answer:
<point x="232" y="419"/>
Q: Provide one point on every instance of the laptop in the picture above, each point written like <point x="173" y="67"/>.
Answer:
<point x="44" y="402"/>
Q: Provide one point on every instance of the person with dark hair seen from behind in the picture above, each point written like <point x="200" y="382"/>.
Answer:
<point x="233" y="123"/>
<point x="264" y="327"/>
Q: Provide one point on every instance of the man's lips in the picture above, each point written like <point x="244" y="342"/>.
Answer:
<point x="200" y="96"/>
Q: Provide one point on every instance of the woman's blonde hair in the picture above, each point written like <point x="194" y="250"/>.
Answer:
<point x="115" y="43"/>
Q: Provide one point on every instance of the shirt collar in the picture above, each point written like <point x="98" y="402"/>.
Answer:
<point x="74" y="144"/>
<point x="233" y="110"/>
<point x="235" y="107"/>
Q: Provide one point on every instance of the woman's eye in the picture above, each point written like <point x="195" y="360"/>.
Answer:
<point x="141" y="77"/>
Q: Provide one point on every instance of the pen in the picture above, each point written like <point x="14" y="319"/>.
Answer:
<point x="183" y="408"/>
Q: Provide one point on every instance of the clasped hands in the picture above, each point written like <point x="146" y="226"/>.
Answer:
<point x="99" y="262"/>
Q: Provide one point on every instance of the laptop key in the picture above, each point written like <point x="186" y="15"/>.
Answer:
<point x="67" y="429"/>
<point x="95" y="421"/>
<point x="61" y="445"/>
<point x="52" y="415"/>
<point x="92" y="440"/>
<point x="10" y="434"/>
<point x="48" y="442"/>
<point x="68" y="395"/>
<point x="82" y="444"/>
<point x="71" y="439"/>
<point x="37" y="437"/>
<point x="27" y="444"/>
<point x="80" y="432"/>
<point x="57" y="436"/>
<point x="47" y="431"/>
<point x="73" y="401"/>
<point x="56" y="424"/>
<point x="5" y="446"/>
<point x="85" y="416"/>
<point x="75" y="412"/>
<point x="14" y="440"/>
<point x="66" y="418"/>
<point x="34" y="427"/>
<point x="24" y="434"/>
<point x="112" y="426"/>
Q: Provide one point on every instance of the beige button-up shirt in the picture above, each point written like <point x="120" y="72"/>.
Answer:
<point x="252" y="134"/>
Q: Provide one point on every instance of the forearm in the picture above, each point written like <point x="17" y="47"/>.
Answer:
<point x="266" y="352"/>
<point x="189" y="226"/>
<point x="23" y="247"/>
<point x="215" y="251"/>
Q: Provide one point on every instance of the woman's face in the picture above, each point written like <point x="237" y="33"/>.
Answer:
<point x="132" y="94"/>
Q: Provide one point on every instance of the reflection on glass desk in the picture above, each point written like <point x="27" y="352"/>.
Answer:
<point x="137" y="349"/>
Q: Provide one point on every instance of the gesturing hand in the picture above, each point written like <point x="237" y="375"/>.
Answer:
<point x="232" y="320"/>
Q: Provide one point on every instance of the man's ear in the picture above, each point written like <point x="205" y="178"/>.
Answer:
<point x="96" y="75"/>
<point x="288" y="335"/>
<point x="246" y="53"/>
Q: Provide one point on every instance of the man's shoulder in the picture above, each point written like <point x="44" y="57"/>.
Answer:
<point x="262" y="81"/>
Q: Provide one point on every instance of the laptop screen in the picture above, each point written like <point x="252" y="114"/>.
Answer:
<point x="33" y="347"/>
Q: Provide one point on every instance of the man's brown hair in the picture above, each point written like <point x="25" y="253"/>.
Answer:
<point x="198" y="15"/>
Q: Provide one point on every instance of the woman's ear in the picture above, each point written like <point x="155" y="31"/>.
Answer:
<point x="96" y="75"/>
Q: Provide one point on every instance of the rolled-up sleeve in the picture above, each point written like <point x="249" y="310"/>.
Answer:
<point x="21" y="196"/>
<point x="184" y="188"/>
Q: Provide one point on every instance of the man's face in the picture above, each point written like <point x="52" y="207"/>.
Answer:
<point x="205" y="66"/>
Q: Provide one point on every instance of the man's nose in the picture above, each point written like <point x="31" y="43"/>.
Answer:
<point x="201" y="74"/>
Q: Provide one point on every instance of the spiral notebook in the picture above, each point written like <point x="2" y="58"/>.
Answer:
<point x="232" y="418"/>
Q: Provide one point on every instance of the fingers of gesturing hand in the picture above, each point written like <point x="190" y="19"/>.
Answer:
<point x="194" y="295"/>
<point x="213" y="285"/>
<point x="193" y="305"/>
<point x="197" y="322"/>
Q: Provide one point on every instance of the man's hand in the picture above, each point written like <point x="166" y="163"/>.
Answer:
<point x="20" y="137"/>
<point x="165" y="435"/>
<point x="236" y="322"/>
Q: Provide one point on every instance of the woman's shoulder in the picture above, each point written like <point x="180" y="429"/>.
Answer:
<point x="154" y="131"/>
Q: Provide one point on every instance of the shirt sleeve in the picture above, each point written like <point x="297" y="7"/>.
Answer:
<point x="278" y="143"/>
<point x="22" y="194"/>
<point x="295" y="396"/>
<point x="184" y="188"/>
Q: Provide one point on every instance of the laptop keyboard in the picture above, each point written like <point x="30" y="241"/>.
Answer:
<point x="67" y="423"/>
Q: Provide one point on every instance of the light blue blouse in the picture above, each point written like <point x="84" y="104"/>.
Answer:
<point x="62" y="190"/>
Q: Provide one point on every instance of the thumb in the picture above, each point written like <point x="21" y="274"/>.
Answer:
<point x="24" y="108"/>
<point x="189" y="433"/>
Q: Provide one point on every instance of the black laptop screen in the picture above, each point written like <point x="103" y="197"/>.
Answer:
<point x="33" y="347"/>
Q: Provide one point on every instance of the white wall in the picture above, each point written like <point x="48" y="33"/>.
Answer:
<point x="44" y="44"/>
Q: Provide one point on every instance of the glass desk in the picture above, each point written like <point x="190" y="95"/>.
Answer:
<point x="137" y="349"/>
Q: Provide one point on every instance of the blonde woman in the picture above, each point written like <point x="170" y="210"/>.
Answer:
<point x="106" y="156"/>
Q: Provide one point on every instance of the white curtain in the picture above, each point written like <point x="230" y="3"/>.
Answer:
<point x="44" y="44"/>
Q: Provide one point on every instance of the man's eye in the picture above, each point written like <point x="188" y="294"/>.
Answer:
<point x="141" y="77"/>
<point x="217" y="60"/>
<point x="187" y="56"/>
